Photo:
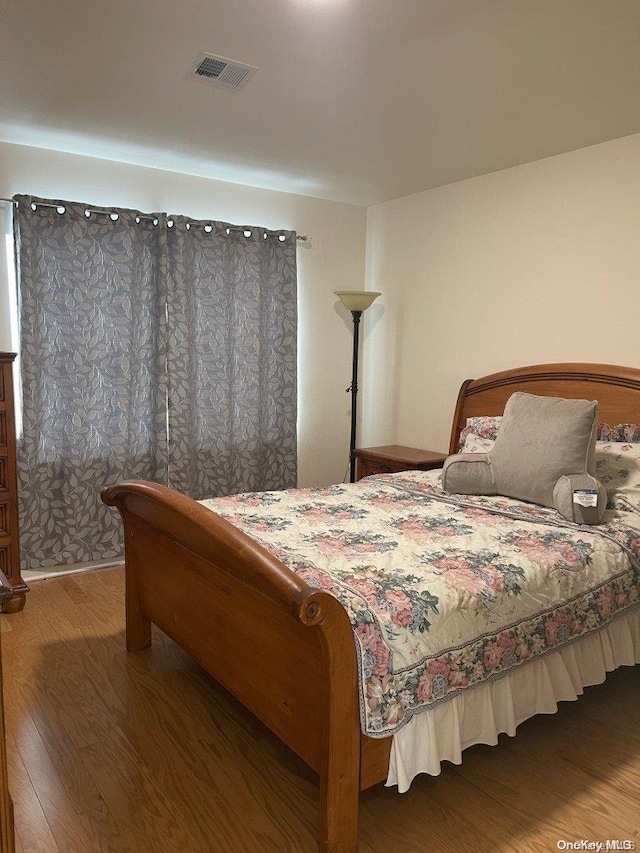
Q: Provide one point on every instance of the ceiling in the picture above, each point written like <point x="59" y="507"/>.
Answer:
<point x="360" y="101"/>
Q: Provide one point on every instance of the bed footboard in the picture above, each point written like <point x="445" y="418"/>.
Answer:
<point x="282" y="648"/>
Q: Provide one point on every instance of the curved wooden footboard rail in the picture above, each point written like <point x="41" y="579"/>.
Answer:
<point x="282" y="648"/>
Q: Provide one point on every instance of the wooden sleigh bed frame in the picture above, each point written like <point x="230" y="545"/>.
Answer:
<point x="211" y="588"/>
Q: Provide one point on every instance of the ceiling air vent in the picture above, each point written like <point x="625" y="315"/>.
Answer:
<point x="221" y="71"/>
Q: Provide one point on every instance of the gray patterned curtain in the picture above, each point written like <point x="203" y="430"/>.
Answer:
<point x="232" y="358"/>
<point x="100" y="364"/>
<point x="93" y="373"/>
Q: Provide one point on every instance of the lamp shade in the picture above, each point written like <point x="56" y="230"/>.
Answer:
<point x="357" y="300"/>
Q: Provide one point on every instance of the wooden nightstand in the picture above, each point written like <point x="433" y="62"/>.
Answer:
<point x="394" y="457"/>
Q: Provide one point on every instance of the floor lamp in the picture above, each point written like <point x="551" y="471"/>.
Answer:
<point x="355" y="301"/>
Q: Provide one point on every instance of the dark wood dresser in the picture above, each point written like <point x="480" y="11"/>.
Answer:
<point x="9" y="536"/>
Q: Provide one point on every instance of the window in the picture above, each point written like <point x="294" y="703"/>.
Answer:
<point x="9" y="336"/>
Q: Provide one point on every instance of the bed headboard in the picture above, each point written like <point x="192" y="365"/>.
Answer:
<point x="617" y="390"/>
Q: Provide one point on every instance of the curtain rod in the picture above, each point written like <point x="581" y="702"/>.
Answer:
<point x="303" y="238"/>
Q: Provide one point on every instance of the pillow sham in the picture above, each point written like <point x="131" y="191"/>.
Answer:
<point x="475" y="444"/>
<point x="618" y="469"/>
<point x="487" y="427"/>
<point x="629" y="433"/>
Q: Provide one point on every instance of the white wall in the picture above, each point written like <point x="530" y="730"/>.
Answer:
<point x="539" y="263"/>
<point x="334" y="261"/>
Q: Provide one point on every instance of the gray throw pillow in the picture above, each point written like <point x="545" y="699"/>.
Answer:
<point x="540" y="440"/>
<point x="544" y="453"/>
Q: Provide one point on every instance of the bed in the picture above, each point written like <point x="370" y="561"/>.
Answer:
<point x="281" y="639"/>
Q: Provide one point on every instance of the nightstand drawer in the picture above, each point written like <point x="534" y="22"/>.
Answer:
<point x="366" y="467"/>
<point x="392" y="458"/>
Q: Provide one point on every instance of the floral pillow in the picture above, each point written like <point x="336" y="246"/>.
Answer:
<point x="618" y="469"/>
<point x="485" y="427"/>
<point x="629" y="433"/>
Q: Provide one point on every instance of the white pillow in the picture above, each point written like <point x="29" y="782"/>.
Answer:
<point x="475" y="444"/>
<point x="618" y="469"/>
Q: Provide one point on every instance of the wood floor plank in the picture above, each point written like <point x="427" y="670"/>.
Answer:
<point x="63" y="815"/>
<point x="32" y="829"/>
<point x="526" y="786"/>
<point x="68" y="768"/>
<point x="112" y="752"/>
<point x="222" y="770"/>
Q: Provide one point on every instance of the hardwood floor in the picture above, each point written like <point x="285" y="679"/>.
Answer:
<point x="110" y="751"/>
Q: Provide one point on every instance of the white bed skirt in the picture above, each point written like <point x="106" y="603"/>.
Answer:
<point x="480" y="714"/>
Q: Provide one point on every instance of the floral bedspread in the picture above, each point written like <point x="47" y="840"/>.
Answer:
<point x="444" y="592"/>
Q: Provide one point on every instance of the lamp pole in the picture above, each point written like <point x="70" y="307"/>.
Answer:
<point x="354" y="395"/>
<point x="355" y="301"/>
